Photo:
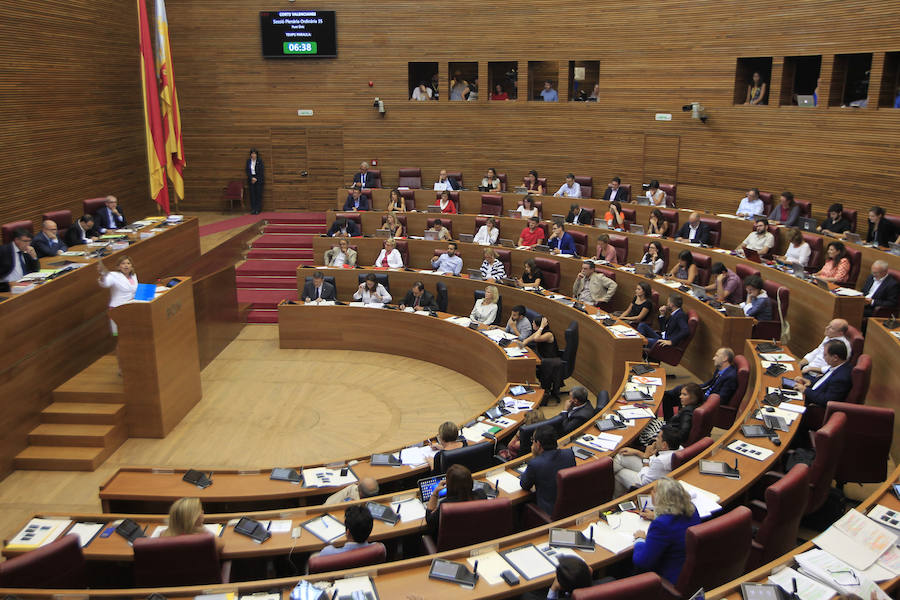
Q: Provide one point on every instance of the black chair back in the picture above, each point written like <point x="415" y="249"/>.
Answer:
<point x="571" y="351"/>
<point x="527" y="431"/>
<point x="476" y="457"/>
<point x="442" y="297"/>
<point x="381" y="278"/>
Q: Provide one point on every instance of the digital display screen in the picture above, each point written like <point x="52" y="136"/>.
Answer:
<point x="298" y="34"/>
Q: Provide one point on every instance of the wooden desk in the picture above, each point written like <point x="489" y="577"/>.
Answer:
<point x="884" y="348"/>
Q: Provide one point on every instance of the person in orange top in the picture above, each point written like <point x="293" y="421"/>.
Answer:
<point x="837" y="265"/>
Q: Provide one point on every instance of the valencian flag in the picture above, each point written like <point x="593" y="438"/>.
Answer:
<point x="156" y="161"/>
<point x="168" y="101"/>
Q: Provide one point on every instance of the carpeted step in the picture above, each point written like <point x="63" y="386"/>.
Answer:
<point x="304" y="255"/>
<point x="262" y="316"/>
<point x="279" y="240"/>
<point x="275" y="283"/>
<point x="269" y="268"/>
<point x="306" y="228"/>
<point x="265" y="298"/>
<point x="296" y="218"/>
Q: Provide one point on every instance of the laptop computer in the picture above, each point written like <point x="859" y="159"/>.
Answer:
<point x="821" y="283"/>
<point x="751" y="255"/>
<point x="733" y="310"/>
<point x="849" y="236"/>
<point x="540" y="248"/>
<point x="475" y="274"/>
<point x="601" y="223"/>
<point x="383" y="233"/>
<point x="506" y="243"/>
<point x="805" y="100"/>
<point x="894" y="249"/>
<point x="699" y="292"/>
<point x="807" y="224"/>
<point x="431" y="235"/>
<point x="643" y="269"/>
<point x="636" y="229"/>
<point x="433" y="209"/>
<point x="556" y="217"/>
<point x="507" y="281"/>
<point x="514" y="214"/>
<point x="466" y="237"/>
<point x="643" y="201"/>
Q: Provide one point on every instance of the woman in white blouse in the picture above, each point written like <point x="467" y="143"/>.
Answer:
<point x="798" y="251"/>
<point x="657" y="196"/>
<point x="492" y="268"/>
<point x="372" y="292"/>
<point x="122" y="283"/>
<point x="487" y="233"/>
<point x="654" y="256"/>
<point x="527" y="208"/>
<point x="485" y="310"/>
<point x="390" y="256"/>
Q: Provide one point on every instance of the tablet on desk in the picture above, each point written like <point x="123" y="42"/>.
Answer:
<point x="427" y="485"/>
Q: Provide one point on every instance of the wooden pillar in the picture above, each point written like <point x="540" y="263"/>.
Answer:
<point x="777" y="82"/>
<point x="562" y="86"/>
<point x="825" y="73"/>
<point x="876" y="78"/>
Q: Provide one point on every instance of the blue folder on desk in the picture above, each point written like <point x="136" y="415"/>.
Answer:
<point x="145" y="292"/>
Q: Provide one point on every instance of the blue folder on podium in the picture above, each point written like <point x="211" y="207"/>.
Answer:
<point x="145" y="292"/>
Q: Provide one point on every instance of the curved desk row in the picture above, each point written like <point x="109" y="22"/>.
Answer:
<point x="813" y="306"/>
<point x="402" y="578"/>
<point x="734" y="229"/>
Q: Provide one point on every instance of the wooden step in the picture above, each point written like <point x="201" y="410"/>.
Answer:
<point x="100" y="382"/>
<point x="61" y="458"/>
<point x="65" y="434"/>
<point x="85" y="413"/>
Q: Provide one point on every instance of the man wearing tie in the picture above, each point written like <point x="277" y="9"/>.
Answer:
<point x="318" y="289"/>
<point x="17" y="259"/>
<point x="47" y="243"/>
<point x="255" y="181"/>
<point x="363" y="179"/>
<point x="834" y="384"/>
<point x="110" y="217"/>
<point x="723" y="383"/>
<point x="82" y="232"/>
<point x="419" y="299"/>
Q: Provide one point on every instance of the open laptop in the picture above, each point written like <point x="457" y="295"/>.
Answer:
<point x="556" y="217"/>
<point x="643" y="269"/>
<point x="807" y="224"/>
<point x="636" y="229"/>
<point x="643" y="201"/>
<point x="466" y="237"/>
<point x="433" y="209"/>
<point x="601" y="223"/>
<point x="805" y="100"/>
<point x="821" y="283"/>
<point x="699" y="292"/>
<point x="514" y="214"/>
<point x="733" y="310"/>
<point x="541" y="248"/>
<point x="431" y="235"/>
<point x="383" y="233"/>
<point x="475" y="274"/>
<point x="506" y="243"/>
<point x="751" y="255"/>
<point x="507" y="281"/>
<point x="849" y="236"/>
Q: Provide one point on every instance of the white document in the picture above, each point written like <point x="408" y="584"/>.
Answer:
<point x="705" y="502"/>
<point x="835" y="573"/>
<point x="789" y="416"/>
<point x="515" y="406"/>
<point x="359" y="304"/>
<point x="635" y="412"/>
<point x="749" y="450"/>
<point x="856" y="540"/>
<point x="794" y="408"/>
<point x="842" y="291"/>
<point x="611" y="539"/>
<point x="473" y="432"/>
<point x="86" y="531"/>
<point x="490" y="565"/>
<point x="596" y="442"/>
<point x="529" y="562"/>
<point x="346" y="587"/>
<point x="623" y="330"/>
<point x="279" y="526"/>
<point x="326" y="528"/>
<point x="767" y="363"/>
<point x="504" y="480"/>
<point x="325" y="477"/>
<point x="515" y="352"/>
<point x="410" y="509"/>
<point x="38" y="532"/>
<point x="807" y="588"/>
<point x="498" y="334"/>
<point x="776" y="357"/>
<point x="628" y="522"/>
<point x="213" y="528"/>
<point x="463" y="321"/>
<point x="415" y="456"/>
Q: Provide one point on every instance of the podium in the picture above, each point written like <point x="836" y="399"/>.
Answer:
<point x="158" y="355"/>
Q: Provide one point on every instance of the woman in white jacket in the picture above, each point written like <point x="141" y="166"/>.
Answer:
<point x="488" y="233"/>
<point x="390" y="256"/>
<point x="485" y="310"/>
<point x="122" y="283"/>
<point x="372" y="292"/>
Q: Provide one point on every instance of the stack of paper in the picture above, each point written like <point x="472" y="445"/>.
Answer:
<point x="415" y="456"/>
<point x="354" y="587"/>
<point x="473" y="433"/>
<point x="807" y="588"/>
<point x="213" y="528"/>
<point x="705" y="502"/>
<point x="37" y="533"/>
<point x="856" y="540"/>
<point x="610" y="538"/>
<point x="325" y="477"/>
<point x="603" y="442"/>
<point x="463" y="321"/>
<point x="490" y="566"/>
<point x="409" y="509"/>
<point x="834" y="573"/>
<point x="515" y="351"/>
<point x="514" y="405"/>
<point x="504" y="480"/>
<point x="643" y="379"/>
<point x="623" y="331"/>
<point x="842" y="291"/>
<point x="498" y="334"/>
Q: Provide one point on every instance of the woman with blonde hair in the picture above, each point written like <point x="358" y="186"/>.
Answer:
<point x="393" y="224"/>
<point x="186" y="518"/>
<point x="390" y="257"/>
<point x="448" y="438"/>
<point x="661" y="549"/>
<point x="492" y="267"/>
<point x="485" y="310"/>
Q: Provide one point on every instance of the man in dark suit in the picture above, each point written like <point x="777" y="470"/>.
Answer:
<point x="694" y="231"/>
<point x="419" y="298"/>
<point x="363" y="179"/>
<point x="834" y="384"/>
<point x="356" y="200"/>
<point x="673" y="322"/>
<point x="318" y="289"/>
<point x="17" y="259"/>
<point x="343" y="227"/>
<point x="577" y="411"/>
<point x="723" y="382"/>
<point x="880" y="289"/>
<point x="615" y="192"/>
<point x="110" y="217"/>
<point x="47" y="243"/>
<point x="82" y="232"/>
<point x="578" y="215"/>
<point x="541" y="471"/>
<point x="256" y="178"/>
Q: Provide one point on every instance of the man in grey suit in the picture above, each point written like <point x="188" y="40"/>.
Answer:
<point x="318" y="289"/>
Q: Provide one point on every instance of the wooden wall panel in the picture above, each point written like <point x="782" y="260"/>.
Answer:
<point x="71" y="121"/>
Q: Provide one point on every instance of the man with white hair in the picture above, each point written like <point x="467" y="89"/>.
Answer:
<point x="47" y="242"/>
<point x="814" y="362"/>
<point x="880" y="289"/>
<point x="110" y="217"/>
<point x="363" y="179"/>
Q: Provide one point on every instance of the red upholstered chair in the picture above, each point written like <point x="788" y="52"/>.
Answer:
<point x="587" y="186"/>
<point x="542" y="181"/>
<point x="8" y="229"/>
<point x="704" y="264"/>
<point x="376" y="174"/>
<point x="232" y="192"/>
<point x="372" y="554"/>
<point x="627" y="186"/>
<point x="704" y="419"/>
<point x="780" y="517"/>
<point x="855" y="257"/>
<point x="895" y="221"/>
<point x="178" y="560"/>
<point x="550" y="269"/>
<point x="504" y="181"/>
<point x="367" y="192"/>
<point x="479" y="221"/>
<point x="590" y="211"/>
<point x="887" y="311"/>
<point x="727" y="412"/>
<point x="857" y="341"/>
<point x="620" y="243"/>
<point x="815" y="414"/>
<point x="491" y="204"/>
<point x="646" y="586"/>
<point x="447" y="223"/>
<point x="816" y="251"/>
<point x="92" y="205"/>
<point x="743" y="271"/>
<point x="672" y="354"/>
<point x="578" y="488"/>
<point x="671" y="216"/>
<point x="850" y="215"/>
<point x="607" y="272"/>
<point x="629" y="216"/>
<point x="716" y="551"/>
<point x="62" y="218"/>
<point x="546" y="228"/>
<point x="805" y="208"/>
<point x="403" y="249"/>
<point x="409" y="198"/>
<point x="766" y="197"/>
<point x="829" y="442"/>
<point x="861" y="376"/>
<point x="410" y="177"/>
<point x="715" y="230"/>
<point x="465" y="523"/>
<point x="665" y="257"/>
<point x="867" y="443"/>
<point x="458" y="176"/>
<point x="581" y="242"/>
<point x="770" y="330"/>
<point x="680" y="457"/>
<point x="58" y="565"/>
<point x="505" y="256"/>
<point x="670" y="189"/>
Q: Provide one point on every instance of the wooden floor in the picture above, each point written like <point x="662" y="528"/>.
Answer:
<point x="263" y="406"/>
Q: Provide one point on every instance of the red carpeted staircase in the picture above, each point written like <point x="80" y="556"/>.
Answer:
<point x="269" y="274"/>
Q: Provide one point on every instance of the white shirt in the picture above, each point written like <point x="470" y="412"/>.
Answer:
<point x="484" y="313"/>
<point x="816" y="358"/>
<point x="613" y="193"/>
<point x="798" y="254"/>
<point x="418" y="94"/>
<point x="394" y="260"/>
<point x="658" y="466"/>
<point x="757" y="242"/>
<point x="527" y="213"/>
<point x="486" y="238"/>
<point x="653" y="200"/>
<point x="876" y="283"/>
<point x="338" y="259"/>
<point x="252" y="167"/>
<point x="569" y="192"/>
<point x="17" y="272"/>
<point x="751" y="207"/>
<point x="380" y="295"/>
<point x="121" y="288"/>
<point x="440" y="186"/>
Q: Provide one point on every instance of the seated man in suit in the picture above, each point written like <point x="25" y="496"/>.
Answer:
<point x="448" y="262"/>
<point x="445" y="183"/>
<point x="592" y="287"/>
<point x="615" y="192"/>
<point x="341" y="255"/>
<point x="17" y="259"/>
<point x="318" y="289"/>
<point x="358" y="522"/>
<point x="814" y="362"/>
<point x="672" y="321"/>
<point x="344" y="227"/>
<point x="110" y="217"/>
<point x="518" y="323"/>
<point x="634" y="468"/>
<point x="560" y="240"/>
<point x="366" y="488"/>
<point x="880" y="289"/>
<point x="578" y="215"/>
<point x="356" y="201"/>
<point x="577" y="411"/>
<point x="541" y="471"/>
<point x="47" y="243"/>
<point x="363" y="179"/>
<point x="694" y="231"/>
<point x="419" y="298"/>
<point x="82" y="232"/>
<point x="834" y="384"/>
<point x="723" y="382"/>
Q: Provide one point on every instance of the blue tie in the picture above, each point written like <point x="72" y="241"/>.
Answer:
<point x="22" y="260"/>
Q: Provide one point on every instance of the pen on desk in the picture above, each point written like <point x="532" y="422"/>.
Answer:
<point x="591" y="533"/>
<point x="646" y="502"/>
<point x="475" y="570"/>
<point x="399" y="506"/>
<point x="497" y="487"/>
